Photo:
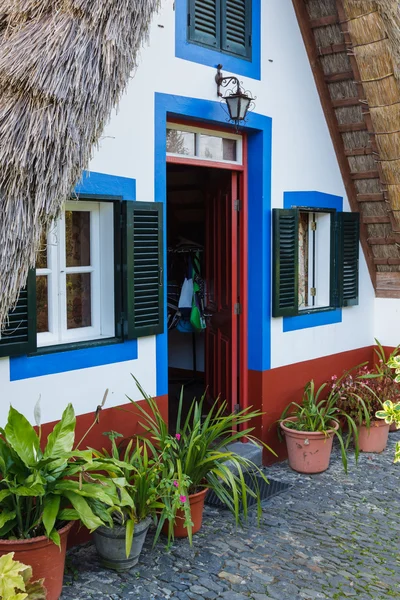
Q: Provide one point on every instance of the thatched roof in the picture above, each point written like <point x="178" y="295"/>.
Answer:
<point x="63" y="67"/>
<point x="354" y="48"/>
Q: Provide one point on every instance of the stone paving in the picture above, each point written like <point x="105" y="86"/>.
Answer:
<point x="330" y="536"/>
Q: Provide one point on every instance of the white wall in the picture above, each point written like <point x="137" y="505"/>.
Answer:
<point x="387" y="321"/>
<point x="303" y="159"/>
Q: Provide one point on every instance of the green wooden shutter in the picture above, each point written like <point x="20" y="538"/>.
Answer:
<point x="347" y="253"/>
<point x="204" y="22"/>
<point x="285" y="262"/>
<point x="19" y="335"/>
<point x="236" y="27"/>
<point x="144" y="285"/>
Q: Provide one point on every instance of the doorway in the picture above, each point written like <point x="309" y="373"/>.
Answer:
<point x="205" y="284"/>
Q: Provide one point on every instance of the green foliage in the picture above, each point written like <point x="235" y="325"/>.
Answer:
<point x="390" y="412"/>
<point x="15" y="581"/>
<point x="394" y="363"/>
<point x="320" y="412"/>
<point x="39" y="489"/>
<point x="197" y="456"/>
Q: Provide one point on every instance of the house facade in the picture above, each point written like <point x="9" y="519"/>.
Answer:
<point x="259" y="216"/>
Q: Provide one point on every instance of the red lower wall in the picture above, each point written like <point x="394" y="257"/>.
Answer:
<point x="271" y="391"/>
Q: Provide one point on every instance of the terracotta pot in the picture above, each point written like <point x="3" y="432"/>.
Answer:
<point x="196" y="502"/>
<point x="308" y="452"/>
<point x="45" y="558"/>
<point x="392" y="427"/>
<point x="374" y="438"/>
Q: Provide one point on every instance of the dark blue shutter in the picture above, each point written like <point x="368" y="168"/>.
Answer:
<point x="144" y="285"/>
<point x="236" y="27"/>
<point x="285" y="300"/>
<point x="204" y="22"/>
<point x="347" y="256"/>
<point x="19" y="334"/>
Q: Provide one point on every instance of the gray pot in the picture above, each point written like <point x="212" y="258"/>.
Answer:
<point x="110" y="545"/>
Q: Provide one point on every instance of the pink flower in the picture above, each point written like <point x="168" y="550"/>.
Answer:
<point x="182" y="499"/>
<point x="176" y="484"/>
<point x="178" y="436"/>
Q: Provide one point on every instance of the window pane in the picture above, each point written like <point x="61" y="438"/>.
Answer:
<point x="42" y="304"/>
<point x="41" y="258"/>
<point x="79" y="305"/>
<point x="217" y="148"/>
<point x="77" y="238"/>
<point x="180" y="142"/>
<point x="303" y="260"/>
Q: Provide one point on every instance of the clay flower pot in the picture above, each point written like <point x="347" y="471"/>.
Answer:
<point x="45" y="558"/>
<point x="392" y="427"/>
<point x="308" y="452"/>
<point x="373" y="439"/>
<point x="196" y="502"/>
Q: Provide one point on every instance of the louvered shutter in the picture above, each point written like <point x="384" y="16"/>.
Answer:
<point x="19" y="335"/>
<point x="348" y="243"/>
<point x="236" y="27"/>
<point x="285" y="262"/>
<point x="204" y="22"/>
<point x="144" y="303"/>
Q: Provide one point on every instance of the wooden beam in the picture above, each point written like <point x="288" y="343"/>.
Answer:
<point x="345" y="127"/>
<point x="365" y="175"/>
<point x="359" y="151"/>
<point x="376" y="220"/>
<point x="334" y="77"/>
<point x="387" y="261"/>
<point x="330" y="116"/>
<point x="371" y="198"/>
<point x="392" y="293"/>
<point x="355" y="101"/>
<point x="324" y="21"/>
<point x="332" y="49"/>
<point x="382" y="241"/>
<point x="388" y="284"/>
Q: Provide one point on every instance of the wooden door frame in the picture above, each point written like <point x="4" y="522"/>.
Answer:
<point x="243" y="371"/>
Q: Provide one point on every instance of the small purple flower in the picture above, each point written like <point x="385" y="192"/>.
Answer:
<point x="182" y="499"/>
<point x="178" y="436"/>
<point x="176" y="484"/>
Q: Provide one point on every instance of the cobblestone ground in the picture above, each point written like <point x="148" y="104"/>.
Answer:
<point x="330" y="536"/>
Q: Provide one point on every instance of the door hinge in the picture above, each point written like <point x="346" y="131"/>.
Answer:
<point x="236" y="408"/>
<point x="236" y="205"/>
<point x="313" y="225"/>
<point x="237" y="309"/>
<point x="313" y="291"/>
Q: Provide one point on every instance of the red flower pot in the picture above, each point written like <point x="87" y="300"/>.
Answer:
<point x="309" y="452"/>
<point x="373" y="438"/>
<point x="196" y="502"/>
<point x="45" y="558"/>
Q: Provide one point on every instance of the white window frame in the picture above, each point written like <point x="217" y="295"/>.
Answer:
<point x="322" y="272"/>
<point x="213" y="132"/>
<point x="102" y="277"/>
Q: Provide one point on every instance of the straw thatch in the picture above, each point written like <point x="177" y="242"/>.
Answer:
<point x="63" y="67"/>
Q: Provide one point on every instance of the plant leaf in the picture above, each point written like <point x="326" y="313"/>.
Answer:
<point x="51" y="505"/>
<point x="86" y="515"/>
<point x="61" y="439"/>
<point x="130" y="526"/>
<point x="22" y="437"/>
<point x="10" y="576"/>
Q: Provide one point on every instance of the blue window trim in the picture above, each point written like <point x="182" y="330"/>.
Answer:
<point x="312" y="200"/>
<point x="25" y="367"/>
<point x="259" y="130"/>
<point x="211" y="58"/>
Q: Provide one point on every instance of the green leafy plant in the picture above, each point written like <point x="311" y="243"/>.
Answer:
<point x="198" y="456"/>
<point x="15" y="581"/>
<point x="142" y="473"/>
<point x="394" y="363"/>
<point x="390" y="412"/>
<point x="41" y="489"/>
<point x="320" y="412"/>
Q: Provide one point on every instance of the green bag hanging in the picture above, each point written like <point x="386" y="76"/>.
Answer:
<point x="197" y="318"/>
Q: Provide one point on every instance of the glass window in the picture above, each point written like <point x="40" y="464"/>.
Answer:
<point x="213" y="147"/>
<point x="180" y="142"/>
<point x="205" y="145"/>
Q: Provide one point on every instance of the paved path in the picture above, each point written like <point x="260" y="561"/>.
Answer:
<point x="330" y="536"/>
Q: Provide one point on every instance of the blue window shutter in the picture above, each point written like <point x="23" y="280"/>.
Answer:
<point x="19" y="335"/>
<point x="285" y="301"/>
<point x="236" y="27"/>
<point x="144" y="285"/>
<point x="204" y="22"/>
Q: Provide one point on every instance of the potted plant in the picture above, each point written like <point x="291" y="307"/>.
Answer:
<point x="119" y="547"/>
<point x="360" y="393"/>
<point x="390" y="387"/>
<point x="197" y="458"/>
<point x="15" y="581"/>
<point x="390" y="412"/>
<point x="309" y="429"/>
<point x="42" y="491"/>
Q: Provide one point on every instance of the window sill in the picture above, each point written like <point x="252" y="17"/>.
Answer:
<point x="68" y="346"/>
<point x="315" y="309"/>
<point x="314" y="318"/>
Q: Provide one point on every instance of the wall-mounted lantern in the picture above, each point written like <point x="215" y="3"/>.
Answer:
<point x="238" y="101"/>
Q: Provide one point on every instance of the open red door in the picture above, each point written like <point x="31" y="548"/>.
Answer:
<point x="222" y="263"/>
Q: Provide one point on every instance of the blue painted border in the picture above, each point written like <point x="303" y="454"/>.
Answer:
<point x="212" y="58"/>
<point x="25" y="367"/>
<point x="316" y="200"/>
<point x="259" y="131"/>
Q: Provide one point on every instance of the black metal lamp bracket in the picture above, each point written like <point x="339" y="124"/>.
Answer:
<point x="222" y="81"/>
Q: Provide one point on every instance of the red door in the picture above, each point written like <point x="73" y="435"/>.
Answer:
<point x="221" y="368"/>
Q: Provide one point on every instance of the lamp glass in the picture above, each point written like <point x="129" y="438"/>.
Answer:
<point x="243" y="107"/>
<point x="233" y="103"/>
